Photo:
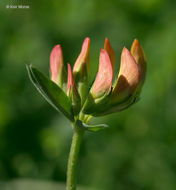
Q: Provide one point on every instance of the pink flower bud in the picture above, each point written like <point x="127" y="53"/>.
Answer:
<point x="83" y="59"/>
<point x="110" y="51"/>
<point x="128" y="77"/>
<point x="103" y="81"/>
<point x="72" y="92"/>
<point x="57" y="65"/>
<point x="70" y="80"/>
<point x="139" y="56"/>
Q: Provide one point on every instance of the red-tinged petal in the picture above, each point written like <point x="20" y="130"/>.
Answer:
<point x="70" y="81"/>
<point x="83" y="57"/>
<point x="103" y="81"/>
<point x="139" y="56"/>
<point x="110" y="51"/>
<point x="56" y="65"/>
<point x="72" y="92"/>
<point x="128" y="77"/>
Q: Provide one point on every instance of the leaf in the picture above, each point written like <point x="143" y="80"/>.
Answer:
<point x="51" y="92"/>
<point x="92" y="128"/>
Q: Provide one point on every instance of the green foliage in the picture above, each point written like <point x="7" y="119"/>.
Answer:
<point x="51" y="92"/>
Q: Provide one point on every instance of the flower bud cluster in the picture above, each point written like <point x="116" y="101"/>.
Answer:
<point x="104" y="96"/>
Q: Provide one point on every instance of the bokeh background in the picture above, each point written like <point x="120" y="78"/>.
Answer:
<point x="138" y="151"/>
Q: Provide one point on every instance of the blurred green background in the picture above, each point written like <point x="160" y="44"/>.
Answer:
<point x="138" y="151"/>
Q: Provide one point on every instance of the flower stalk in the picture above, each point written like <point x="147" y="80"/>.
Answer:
<point x="73" y="158"/>
<point x="79" y="102"/>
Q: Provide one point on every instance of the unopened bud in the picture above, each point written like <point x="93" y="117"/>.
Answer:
<point x="57" y="66"/>
<point x="103" y="81"/>
<point x="72" y="92"/>
<point x="81" y="66"/>
<point x="127" y="79"/>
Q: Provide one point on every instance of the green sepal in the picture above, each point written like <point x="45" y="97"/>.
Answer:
<point x="83" y="90"/>
<point x="75" y="101"/>
<point x="107" y="107"/>
<point x="92" y="105"/>
<point x="51" y="92"/>
<point x="111" y="108"/>
<point x="81" y="79"/>
<point x="92" y="128"/>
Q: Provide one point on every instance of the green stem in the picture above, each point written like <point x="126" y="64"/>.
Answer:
<point x="73" y="159"/>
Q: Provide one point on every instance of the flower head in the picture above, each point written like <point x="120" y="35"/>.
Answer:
<point x="77" y="100"/>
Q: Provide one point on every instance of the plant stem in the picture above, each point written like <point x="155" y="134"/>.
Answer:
<point x="73" y="159"/>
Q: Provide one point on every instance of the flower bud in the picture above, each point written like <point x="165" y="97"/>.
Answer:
<point x="110" y="51"/>
<point x="103" y="81"/>
<point x="139" y="56"/>
<point x="101" y="88"/>
<point x="57" y="66"/>
<point x="127" y="79"/>
<point x="72" y="92"/>
<point x="81" y="69"/>
<point x="81" y="66"/>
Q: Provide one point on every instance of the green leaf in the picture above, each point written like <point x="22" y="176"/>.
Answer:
<point x="92" y="128"/>
<point x="51" y="92"/>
